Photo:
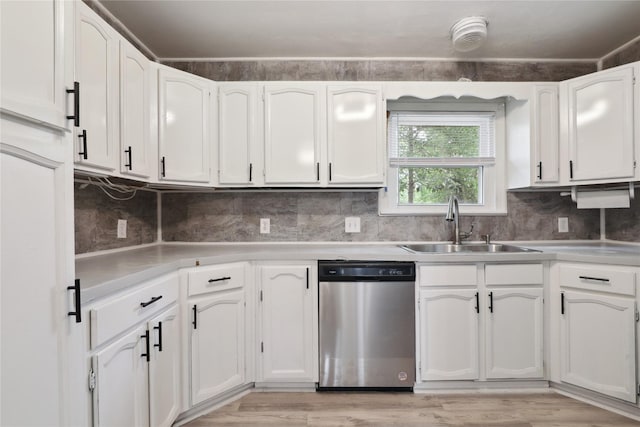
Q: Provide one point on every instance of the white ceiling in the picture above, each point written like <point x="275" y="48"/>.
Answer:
<point x="234" y="29"/>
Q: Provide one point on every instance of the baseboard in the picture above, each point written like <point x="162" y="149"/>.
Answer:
<point x="213" y="404"/>
<point x="596" y="399"/>
<point x="285" y="387"/>
<point x="516" y="386"/>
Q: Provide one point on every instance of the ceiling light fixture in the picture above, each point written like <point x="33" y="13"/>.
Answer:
<point x="469" y="33"/>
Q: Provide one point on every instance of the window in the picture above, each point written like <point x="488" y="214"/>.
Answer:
<point x="437" y="149"/>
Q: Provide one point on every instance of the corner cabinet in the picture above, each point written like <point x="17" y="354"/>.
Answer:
<point x="600" y="126"/>
<point x="287" y="323"/>
<point x="355" y="135"/>
<point x="185" y="122"/>
<point x="293" y="133"/>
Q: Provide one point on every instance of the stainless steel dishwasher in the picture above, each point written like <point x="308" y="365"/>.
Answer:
<point x="367" y="325"/>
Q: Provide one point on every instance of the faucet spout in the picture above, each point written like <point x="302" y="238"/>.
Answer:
<point x="453" y="214"/>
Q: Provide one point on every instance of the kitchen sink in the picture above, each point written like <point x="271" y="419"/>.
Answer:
<point x="447" y="248"/>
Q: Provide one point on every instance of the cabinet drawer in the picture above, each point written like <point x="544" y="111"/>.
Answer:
<point x="116" y="315"/>
<point x="216" y="278"/>
<point x="604" y="278"/>
<point x="513" y="274"/>
<point x="448" y="275"/>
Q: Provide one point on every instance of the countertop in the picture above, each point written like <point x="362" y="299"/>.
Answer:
<point x="104" y="274"/>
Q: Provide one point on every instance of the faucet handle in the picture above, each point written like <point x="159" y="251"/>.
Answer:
<point x="486" y="237"/>
<point x="467" y="234"/>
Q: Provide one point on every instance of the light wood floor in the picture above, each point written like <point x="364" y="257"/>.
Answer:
<point x="545" y="409"/>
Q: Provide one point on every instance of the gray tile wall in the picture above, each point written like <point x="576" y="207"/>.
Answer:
<point x="309" y="216"/>
<point x="96" y="219"/>
<point x="385" y="70"/>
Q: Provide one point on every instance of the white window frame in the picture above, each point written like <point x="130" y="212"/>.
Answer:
<point x="493" y="178"/>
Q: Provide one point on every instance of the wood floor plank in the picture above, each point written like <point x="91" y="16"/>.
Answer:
<point x="544" y="409"/>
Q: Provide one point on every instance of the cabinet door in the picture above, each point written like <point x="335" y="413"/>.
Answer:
<point x="288" y="324"/>
<point x="355" y="135"/>
<point x="134" y="111"/>
<point x="121" y="395"/>
<point x="37" y="40"/>
<point x="545" y="133"/>
<point x="597" y="343"/>
<point x="164" y="369"/>
<point x="217" y="344"/>
<point x="601" y="125"/>
<point x="237" y="133"/>
<point x="36" y="266"/>
<point x="514" y="333"/>
<point x="97" y="72"/>
<point x="449" y="334"/>
<point x="293" y="121"/>
<point x="184" y="123"/>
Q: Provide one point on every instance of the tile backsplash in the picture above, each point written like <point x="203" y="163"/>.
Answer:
<point x="320" y="216"/>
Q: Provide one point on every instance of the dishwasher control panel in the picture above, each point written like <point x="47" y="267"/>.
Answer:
<point x="366" y="270"/>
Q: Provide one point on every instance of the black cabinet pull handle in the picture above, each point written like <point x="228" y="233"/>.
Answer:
<point x="490" y="302"/>
<point x="477" y="307"/>
<point x="83" y="135"/>
<point x="220" y="279"/>
<point x="162" y="162"/>
<point x="329" y="171"/>
<point x="570" y="168"/>
<point x="151" y="301"/>
<point x="597" y="279"/>
<point x="76" y="295"/>
<point x="318" y="171"/>
<point x="147" y="355"/>
<point x="307" y="277"/>
<point x="195" y="317"/>
<point x="159" y="329"/>
<point x="562" y="303"/>
<point x="250" y="172"/>
<point x="76" y="104"/>
<point x="130" y="164"/>
<point x="539" y="170"/>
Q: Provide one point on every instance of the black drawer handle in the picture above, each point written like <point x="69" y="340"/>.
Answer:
<point x="195" y="317"/>
<point x="597" y="279"/>
<point x="151" y="301"/>
<point x="219" y="279"/>
<point x="146" y="355"/>
<point x="490" y="302"/>
<point x="159" y="329"/>
<point x="130" y="164"/>
<point x="76" y="104"/>
<point x="477" y="307"/>
<point x="163" y="170"/>
<point x="562" y="303"/>
<point x="78" y="312"/>
<point x="539" y="170"/>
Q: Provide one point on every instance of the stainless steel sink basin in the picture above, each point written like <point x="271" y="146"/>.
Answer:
<point x="447" y="248"/>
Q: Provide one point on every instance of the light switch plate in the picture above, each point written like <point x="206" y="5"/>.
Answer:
<point x="122" y="229"/>
<point x="265" y="226"/>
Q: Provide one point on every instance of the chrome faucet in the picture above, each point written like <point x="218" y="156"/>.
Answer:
<point x="453" y="214"/>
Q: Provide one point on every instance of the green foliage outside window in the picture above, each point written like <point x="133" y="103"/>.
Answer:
<point x="434" y="184"/>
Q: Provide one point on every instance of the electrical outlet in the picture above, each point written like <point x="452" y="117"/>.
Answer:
<point x="265" y="226"/>
<point x="122" y="229"/>
<point x="563" y="224"/>
<point x="352" y="224"/>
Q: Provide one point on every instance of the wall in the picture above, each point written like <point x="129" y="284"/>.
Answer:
<point x="319" y="216"/>
<point x="96" y="219"/>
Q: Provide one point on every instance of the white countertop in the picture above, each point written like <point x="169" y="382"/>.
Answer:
<point x="104" y="274"/>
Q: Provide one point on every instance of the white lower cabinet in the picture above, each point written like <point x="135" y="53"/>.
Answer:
<point x="480" y="321"/>
<point x="217" y="325"/>
<point x="598" y="329"/>
<point x="449" y="335"/>
<point x="288" y="323"/>
<point x="136" y="374"/>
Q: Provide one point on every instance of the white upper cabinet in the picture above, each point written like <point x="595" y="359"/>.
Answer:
<point x="184" y="126"/>
<point x="97" y="72"/>
<point x="355" y="138"/>
<point x="545" y="133"/>
<point x="294" y="133"/>
<point x="600" y="126"/>
<point x="37" y="47"/>
<point x="134" y="112"/>
<point x="237" y="133"/>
